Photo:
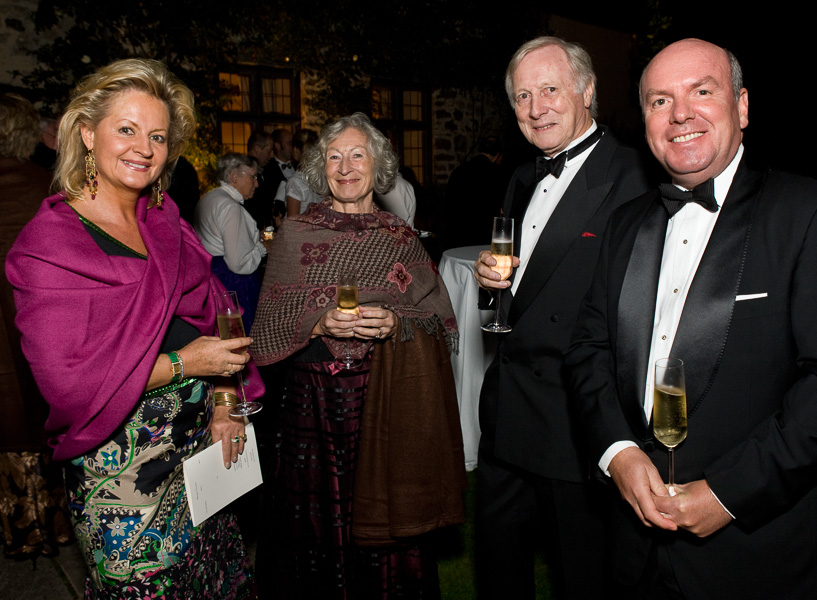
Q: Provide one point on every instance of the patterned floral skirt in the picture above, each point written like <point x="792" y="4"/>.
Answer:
<point x="311" y="553"/>
<point x="129" y="508"/>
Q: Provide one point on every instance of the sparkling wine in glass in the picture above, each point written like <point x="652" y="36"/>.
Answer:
<point x="669" y="409"/>
<point x="348" y="303"/>
<point x="502" y="252"/>
<point x="231" y="326"/>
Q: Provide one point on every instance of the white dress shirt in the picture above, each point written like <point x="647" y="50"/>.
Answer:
<point x="400" y="201"/>
<point x="687" y="235"/>
<point x="226" y="229"/>
<point x="296" y="187"/>
<point x="286" y="168"/>
<point x="545" y="198"/>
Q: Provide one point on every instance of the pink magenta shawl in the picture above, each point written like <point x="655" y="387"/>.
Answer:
<point x="92" y="324"/>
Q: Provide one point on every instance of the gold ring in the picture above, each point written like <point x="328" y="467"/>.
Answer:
<point x="379" y="333"/>
<point x="244" y="437"/>
<point x="235" y="439"/>
<point x="231" y="371"/>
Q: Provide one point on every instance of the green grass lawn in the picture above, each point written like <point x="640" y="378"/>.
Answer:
<point x="456" y="564"/>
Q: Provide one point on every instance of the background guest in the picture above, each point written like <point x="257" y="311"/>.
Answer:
<point x="294" y="191"/>
<point x="348" y="514"/>
<point x="116" y="306"/>
<point x="259" y="146"/>
<point x="474" y="194"/>
<point x="230" y="234"/>
<point x="32" y="494"/>
<point x="400" y="200"/>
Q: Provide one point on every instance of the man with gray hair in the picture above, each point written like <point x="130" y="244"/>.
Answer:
<point x="531" y="468"/>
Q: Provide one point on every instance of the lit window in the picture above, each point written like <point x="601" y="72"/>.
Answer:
<point x="234" y="135"/>
<point x="238" y="87"/>
<point x="382" y="103"/>
<point x="413" y="105"/>
<point x="276" y="95"/>
<point x="413" y="152"/>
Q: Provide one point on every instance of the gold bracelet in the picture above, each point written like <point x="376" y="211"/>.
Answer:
<point x="225" y="399"/>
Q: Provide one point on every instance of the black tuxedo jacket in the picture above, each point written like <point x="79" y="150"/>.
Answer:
<point x="523" y="404"/>
<point x="748" y="338"/>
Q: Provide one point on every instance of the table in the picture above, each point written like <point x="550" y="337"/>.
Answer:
<point x="477" y="347"/>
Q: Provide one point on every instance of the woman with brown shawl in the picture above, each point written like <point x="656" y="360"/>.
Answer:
<point x="369" y="459"/>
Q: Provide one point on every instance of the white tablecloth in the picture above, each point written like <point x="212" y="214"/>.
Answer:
<point x="476" y="346"/>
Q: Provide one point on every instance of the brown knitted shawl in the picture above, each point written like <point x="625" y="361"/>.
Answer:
<point x="300" y="282"/>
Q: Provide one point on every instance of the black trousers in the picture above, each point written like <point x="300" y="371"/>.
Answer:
<point x="518" y="511"/>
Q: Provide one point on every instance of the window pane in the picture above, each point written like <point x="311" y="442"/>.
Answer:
<point x="239" y="88"/>
<point x="413" y="105"/>
<point x="276" y="95"/>
<point x="234" y="135"/>
<point x="413" y="152"/>
<point x="382" y="103"/>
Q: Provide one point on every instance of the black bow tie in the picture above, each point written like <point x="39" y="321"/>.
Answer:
<point x="675" y="199"/>
<point x="286" y="165"/>
<point x="555" y="166"/>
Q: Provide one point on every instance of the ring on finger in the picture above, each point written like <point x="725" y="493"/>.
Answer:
<point x="379" y="333"/>
<point x="243" y="437"/>
<point x="236" y="439"/>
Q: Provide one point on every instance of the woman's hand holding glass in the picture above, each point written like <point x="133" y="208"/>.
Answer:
<point x="370" y="324"/>
<point x="210" y="356"/>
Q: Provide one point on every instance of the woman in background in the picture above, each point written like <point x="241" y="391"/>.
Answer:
<point x="230" y="234"/>
<point x="32" y="496"/>
<point x="116" y="306"/>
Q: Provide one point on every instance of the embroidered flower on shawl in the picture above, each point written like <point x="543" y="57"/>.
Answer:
<point x="117" y="527"/>
<point x="399" y="234"/>
<point x="400" y="277"/>
<point x="360" y="234"/>
<point x="314" y="254"/>
<point x="320" y="298"/>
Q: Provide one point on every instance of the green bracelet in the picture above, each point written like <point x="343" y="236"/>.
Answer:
<point x="177" y="365"/>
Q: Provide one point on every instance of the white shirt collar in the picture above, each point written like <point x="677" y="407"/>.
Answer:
<point x="232" y="192"/>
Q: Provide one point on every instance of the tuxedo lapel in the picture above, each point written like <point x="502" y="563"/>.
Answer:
<point x="707" y="313"/>
<point x="636" y="311"/>
<point x="577" y="206"/>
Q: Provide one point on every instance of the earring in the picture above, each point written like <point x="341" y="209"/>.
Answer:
<point x="157" y="187"/>
<point x="91" y="173"/>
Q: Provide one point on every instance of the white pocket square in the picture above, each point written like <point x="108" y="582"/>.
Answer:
<point x="750" y="296"/>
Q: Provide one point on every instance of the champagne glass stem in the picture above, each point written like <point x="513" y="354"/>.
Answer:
<point x="671" y="484"/>
<point x="496" y="314"/>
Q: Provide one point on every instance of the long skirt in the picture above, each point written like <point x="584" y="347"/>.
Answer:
<point x="130" y="514"/>
<point x="313" y="554"/>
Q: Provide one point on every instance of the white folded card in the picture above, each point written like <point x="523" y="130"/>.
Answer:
<point x="211" y="487"/>
<point x="750" y="296"/>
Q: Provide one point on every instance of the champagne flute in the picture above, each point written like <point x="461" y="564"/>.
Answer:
<point x="231" y="326"/>
<point x="502" y="252"/>
<point x="348" y="303"/>
<point x="669" y="409"/>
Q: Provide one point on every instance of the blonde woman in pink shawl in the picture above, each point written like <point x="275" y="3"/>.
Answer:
<point x="116" y="306"/>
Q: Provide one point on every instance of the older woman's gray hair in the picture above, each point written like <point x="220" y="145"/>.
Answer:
<point x="379" y="147"/>
<point x="231" y="162"/>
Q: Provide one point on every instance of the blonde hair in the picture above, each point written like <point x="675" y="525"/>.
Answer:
<point x="91" y="100"/>
<point x="19" y="127"/>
